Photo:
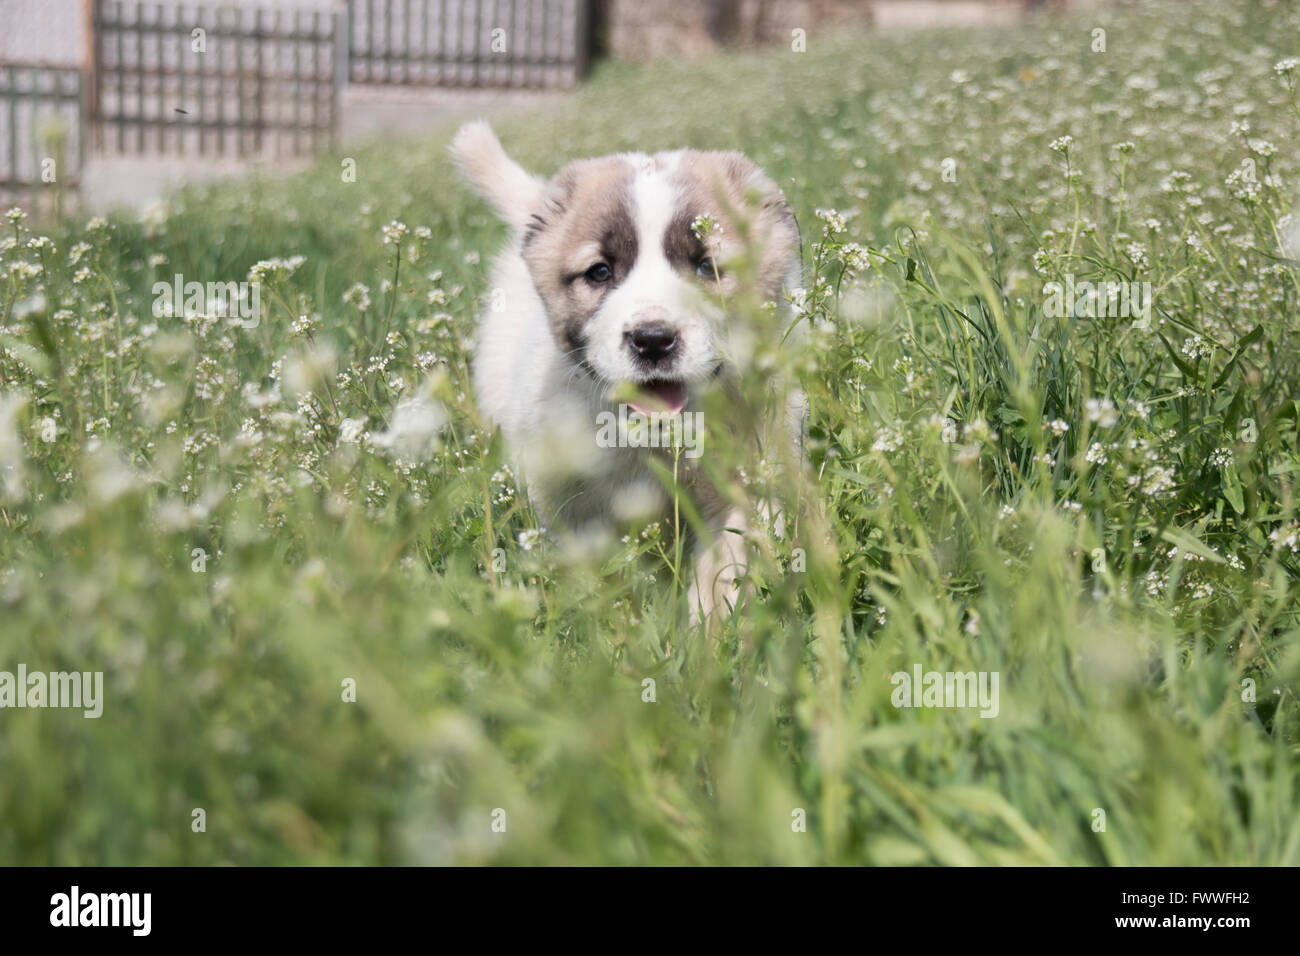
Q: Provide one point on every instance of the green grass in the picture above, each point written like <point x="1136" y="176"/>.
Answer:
<point x="1123" y="575"/>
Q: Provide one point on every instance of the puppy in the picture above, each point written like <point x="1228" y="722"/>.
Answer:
<point x="614" y="287"/>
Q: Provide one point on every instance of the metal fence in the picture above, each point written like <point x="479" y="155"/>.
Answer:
<point x="216" y="80"/>
<point x="42" y="139"/>
<point x="227" y="81"/>
<point x="489" y="43"/>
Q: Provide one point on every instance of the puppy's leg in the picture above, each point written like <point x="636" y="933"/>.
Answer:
<point x="716" y="567"/>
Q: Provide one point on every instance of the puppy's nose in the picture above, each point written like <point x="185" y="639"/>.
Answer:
<point x="654" y="343"/>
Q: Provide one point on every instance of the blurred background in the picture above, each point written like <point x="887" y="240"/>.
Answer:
<point x="111" y="102"/>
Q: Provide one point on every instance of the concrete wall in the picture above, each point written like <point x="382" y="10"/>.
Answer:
<point x="43" y="31"/>
<point x="646" y="30"/>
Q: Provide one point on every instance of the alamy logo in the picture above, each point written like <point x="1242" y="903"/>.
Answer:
<point x="1098" y="300"/>
<point x="55" y="689"/>
<point x="634" y="429"/>
<point x="233" y="300"/>
<point x="103" y="909"/>
<point x="946" y="689"/>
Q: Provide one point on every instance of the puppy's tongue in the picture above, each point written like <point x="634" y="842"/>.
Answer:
<point x="659" y="398"/>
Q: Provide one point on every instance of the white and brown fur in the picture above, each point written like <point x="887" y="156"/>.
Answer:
<point x="552" y="343"/>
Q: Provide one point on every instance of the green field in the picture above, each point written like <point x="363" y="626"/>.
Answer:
<point x="233" y="524"/>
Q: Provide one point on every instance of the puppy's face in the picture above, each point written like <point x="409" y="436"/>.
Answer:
<point x="632" y="290"/>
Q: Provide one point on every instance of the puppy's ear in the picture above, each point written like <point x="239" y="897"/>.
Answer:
<point x="513" y="192"/>
<point x="753" y="183"/>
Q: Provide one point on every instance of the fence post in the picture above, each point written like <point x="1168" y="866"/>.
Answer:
<point x="90" y="95"/>
<point x="83" y="127"/>
<point x="342" y="40"/>
<point x="11" y="80"/>
<point x="584" y="38"/>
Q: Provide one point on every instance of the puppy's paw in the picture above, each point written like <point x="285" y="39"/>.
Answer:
<point x="718" y="571"/>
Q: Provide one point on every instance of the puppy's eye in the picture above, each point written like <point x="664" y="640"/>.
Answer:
<point x="600" y="272"/>
<point x="708" y="269"/>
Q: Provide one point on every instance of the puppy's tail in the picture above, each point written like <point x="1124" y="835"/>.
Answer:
<point x="512" y="191"/>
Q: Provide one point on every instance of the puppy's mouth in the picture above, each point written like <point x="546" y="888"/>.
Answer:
<point x="658" y="397"/>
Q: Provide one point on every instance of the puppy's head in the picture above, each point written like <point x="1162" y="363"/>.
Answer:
<point x="632" y="256"/>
